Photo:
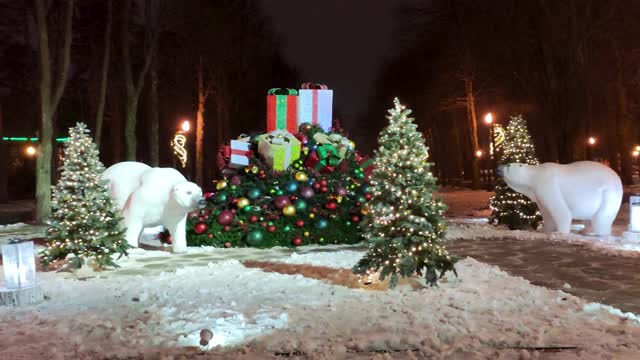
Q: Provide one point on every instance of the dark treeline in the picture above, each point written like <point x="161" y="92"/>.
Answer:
<point x="133" y="71"/>
<point x="570" y="67"/>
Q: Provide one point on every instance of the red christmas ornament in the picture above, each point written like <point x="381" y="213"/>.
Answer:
<point x="300" y="223"/>
<point x="227" y="228"/>
<point x="323" y="182"/>
<point x="331" y="205"/>
<point x="233" y="211"/>
<point x="206" y="216"/>
<point x="297" y="241"/>
<point x="324" y="189"/>
<point x="355" y="218"/>
<point x="193" y="215"/>
<point x="200" y="228"/>
<point x="358" y="203"/>
<point x="225" y="217"/>
<point x="368" y="196"/>
<point x="264" y="224"/>
<point x="292" y="198"/>
<point x="200" y="218"/>
<point x="210" y="236"/>
<point x="227" y="244"/>
<point x="316" y="185"/>
<point x="271" y="229"/>
<point x="208" y="195"/>
<point x="253" y="219"/>
<point x="281" y="201"/>
<point x="314" y="210"/>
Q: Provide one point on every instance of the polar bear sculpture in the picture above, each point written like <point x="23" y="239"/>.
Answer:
<point x="151" y="197"/>
<point x="583" y="190"/>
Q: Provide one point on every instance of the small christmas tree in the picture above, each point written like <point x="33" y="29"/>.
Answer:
<point x="406" y="227"/>
<point x="508" y="206"/>
<point x="85" y="221"/>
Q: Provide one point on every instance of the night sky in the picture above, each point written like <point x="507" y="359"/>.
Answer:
<point x="336" y="42"/>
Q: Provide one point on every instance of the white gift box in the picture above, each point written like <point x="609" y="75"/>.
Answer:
<point x="239" y="154"/>
<point x="315" y="106"/>
<point x="19" y="264"/>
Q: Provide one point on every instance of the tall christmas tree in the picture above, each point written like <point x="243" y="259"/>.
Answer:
<point x="406" y="227"/>
<point x="508" y="206"/>
<point x="85" y="221"/>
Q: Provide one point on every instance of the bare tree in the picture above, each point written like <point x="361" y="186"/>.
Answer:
<point x="134" y="88"/>
<point x="50" y="95"/>
<point x="104" y="74"/>
<point x="203" y="93"/>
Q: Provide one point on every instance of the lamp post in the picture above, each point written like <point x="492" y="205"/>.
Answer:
<point x="591" y="142"/>
<point x="179" y="142"/>
<point x="488" y="119"/>
<point x="20" y="285"/>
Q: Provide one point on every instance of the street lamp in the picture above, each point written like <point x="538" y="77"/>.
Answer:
<point x="488" y="119"/>
<point x="30" y="150"/>
<point x="185" y="126"/>
<point x="592" y="140"/>
<point x="478" y="153"/>
<point x="179" y="142"/>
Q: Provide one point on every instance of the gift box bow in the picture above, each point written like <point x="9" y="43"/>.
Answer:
<point x="340" y="142"/>
<point x="312" y="86"/>
<point x="279" y="137"/>
<point x="283" y="91"/>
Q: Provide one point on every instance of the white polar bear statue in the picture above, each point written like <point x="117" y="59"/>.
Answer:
<point x="584" y="190"/>
<point x="151" y="197"/>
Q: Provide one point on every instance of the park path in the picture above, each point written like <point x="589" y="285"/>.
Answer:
<point x="608" y="278"/>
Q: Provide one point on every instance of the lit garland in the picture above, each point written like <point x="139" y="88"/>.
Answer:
<point x="178" y="144"/>
<point x="85" y="221"/>
<point x="406" y="227"/>
<point x="509" y="207"/>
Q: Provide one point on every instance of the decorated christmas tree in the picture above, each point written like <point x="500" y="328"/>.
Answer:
<point x="85" y="221"/>
<point x="406" y="225"/>
<point x="508" y="206"/>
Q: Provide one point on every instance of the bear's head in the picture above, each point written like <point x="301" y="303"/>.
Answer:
<point x="517" y="176"/>
<point x="187" y="195"/>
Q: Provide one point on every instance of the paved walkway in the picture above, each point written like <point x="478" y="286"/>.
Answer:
<point x="592" y="275"/>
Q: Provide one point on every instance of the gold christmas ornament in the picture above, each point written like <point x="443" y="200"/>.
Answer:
<point x="289" y="210"/>
<point x="221" y="184"/>
<point x="301" y="176"/>
<point x="242" y="202"/>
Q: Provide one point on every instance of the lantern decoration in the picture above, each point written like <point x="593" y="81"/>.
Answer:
<point x="634" y="219"/>
<point x="20" y="285"/>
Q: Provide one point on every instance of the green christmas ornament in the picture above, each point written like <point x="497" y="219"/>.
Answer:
<point x="300" y="204"/>
<point x="361" y="199"/>
<point x="255" y="237"/>
<point x="279" y="192"/>
<point x="247" y="208"/>
<point x="322" y="224"/>
<point x="287" y="228"/>
<point x="253" y="193"/>
<point x="221" y="197"/>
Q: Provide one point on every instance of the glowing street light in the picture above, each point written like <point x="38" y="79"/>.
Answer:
<point x="592" y="140"/>
<point x="488" y="119"/>
<point x="478" y="153"/>
<point x="638" y="148"/>
<point x="635" y="153"/>
<point x="30" y="150"/>
<point x="185" y="126"/>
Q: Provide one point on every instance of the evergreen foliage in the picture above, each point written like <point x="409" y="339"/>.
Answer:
<point x="85" y="222"/>
<point x="406" y="227"/>
<point x="508" y="206"/>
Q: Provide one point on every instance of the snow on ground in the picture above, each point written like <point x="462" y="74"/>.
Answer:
<point x="473" y="316"/>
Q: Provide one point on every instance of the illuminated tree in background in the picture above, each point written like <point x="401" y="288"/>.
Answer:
<point x="406" y="227"/>
<point x="85" y="222"/>
<point x="509" y="207"/>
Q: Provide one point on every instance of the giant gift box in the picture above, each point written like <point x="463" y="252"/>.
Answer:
<point x="315" y="105"/>
<point x="282" y="110"/>
<point x="279" y="149"/>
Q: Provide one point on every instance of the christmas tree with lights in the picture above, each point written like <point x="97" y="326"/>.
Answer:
<point x="406" y="225"/>
<point x="509" y="207"/>
<point x="85" y="222"/>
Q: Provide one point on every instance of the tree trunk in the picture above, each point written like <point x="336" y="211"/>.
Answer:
<point x="200" y="125"/>
<point x="133" y="89"/>
<point x="4" y="174"/>
<point x="154" y="117"/>
<point x="105" y="75"/>
<point x="473" y="133"/>
<point x="624" y="128"/>
<point x="49" y="101"/>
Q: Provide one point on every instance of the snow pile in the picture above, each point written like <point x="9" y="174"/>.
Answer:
<point x="13" y="226"/>
<point x="480" y="229"/>
<point x="473" y="316"/>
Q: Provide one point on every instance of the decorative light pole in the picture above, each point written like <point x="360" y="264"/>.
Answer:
<point x="179" y="143"/>
<point x="20" y="285"/>
<point x="591" y="142"/>
<point x="488" y="119"/>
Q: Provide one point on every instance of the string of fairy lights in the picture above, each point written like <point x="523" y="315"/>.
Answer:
<point x="407" y="222"/>
<point x="515" y="147"/>
<point x="84" y="215"/>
